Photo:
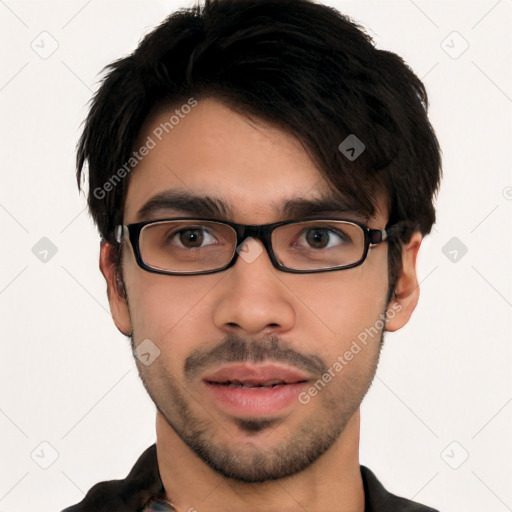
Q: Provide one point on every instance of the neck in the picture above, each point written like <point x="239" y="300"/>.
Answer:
<point x="333" y="482"/>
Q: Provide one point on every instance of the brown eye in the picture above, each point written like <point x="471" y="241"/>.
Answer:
<point x="191" y="237"/>
<point x="317" y="238"/>
<point x="326" y="238"/>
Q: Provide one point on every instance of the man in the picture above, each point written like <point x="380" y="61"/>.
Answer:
<point x="262" y="177"/>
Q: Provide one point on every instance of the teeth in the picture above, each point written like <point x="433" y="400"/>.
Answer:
<point x="238" y="384"/>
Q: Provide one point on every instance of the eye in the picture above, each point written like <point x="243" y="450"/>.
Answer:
<point x="324" y="238"/>
<point x="192" y="238"/>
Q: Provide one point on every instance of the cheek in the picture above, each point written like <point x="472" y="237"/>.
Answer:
<point x="333" y="309"/>
<point x="172" y="311"/>
<point x="342" y="304"/>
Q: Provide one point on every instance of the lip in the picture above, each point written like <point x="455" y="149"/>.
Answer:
<point x="261" y="399"/>
<point x="264" y="374"/>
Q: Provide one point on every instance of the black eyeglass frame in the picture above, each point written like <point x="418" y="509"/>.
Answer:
<point x="261" y="232"/>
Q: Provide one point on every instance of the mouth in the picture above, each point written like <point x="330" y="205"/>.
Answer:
<point x="253" y="384"/>
<point x="245" y="390"/>
<point x="248" y="375"/>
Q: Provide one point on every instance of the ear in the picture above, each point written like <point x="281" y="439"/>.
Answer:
<point x="115" y="289"/>
<point x="407" y="290"/>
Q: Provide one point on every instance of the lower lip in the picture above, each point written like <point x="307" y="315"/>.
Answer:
<point x="255" y="401"/>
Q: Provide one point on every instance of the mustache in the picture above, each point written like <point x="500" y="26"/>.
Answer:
<point x="237" y="349"/>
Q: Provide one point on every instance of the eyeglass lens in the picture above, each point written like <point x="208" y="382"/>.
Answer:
<point x="191" y="246"/>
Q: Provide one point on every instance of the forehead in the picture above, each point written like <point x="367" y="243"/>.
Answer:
<point x="210" y="151"/>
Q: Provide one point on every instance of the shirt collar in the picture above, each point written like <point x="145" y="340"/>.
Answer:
<point x="143" y="485"/>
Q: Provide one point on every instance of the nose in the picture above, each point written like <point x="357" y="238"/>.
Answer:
<point x="252" y="298"/>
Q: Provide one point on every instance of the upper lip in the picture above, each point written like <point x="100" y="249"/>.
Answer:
<point x="256" y="375"/>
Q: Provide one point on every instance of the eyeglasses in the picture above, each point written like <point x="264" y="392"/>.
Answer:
<point x="192" y="246"/>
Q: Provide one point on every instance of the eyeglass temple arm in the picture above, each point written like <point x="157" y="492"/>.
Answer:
<point x="379" y="235"/>
<point x="384" y="234"/>
<point x="119" y="233"/>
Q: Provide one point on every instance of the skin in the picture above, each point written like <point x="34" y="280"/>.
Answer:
<point x="216" y="152"/>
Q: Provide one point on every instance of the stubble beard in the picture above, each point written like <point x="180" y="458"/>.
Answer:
<point x="333" y="408"/>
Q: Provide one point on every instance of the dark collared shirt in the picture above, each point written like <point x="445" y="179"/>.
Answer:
<point x="138" y="491"/>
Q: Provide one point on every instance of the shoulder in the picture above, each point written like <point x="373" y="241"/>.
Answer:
<point x="378" y="499"/>
<point x="102" y="496"/>
<point x="127" y="494"/>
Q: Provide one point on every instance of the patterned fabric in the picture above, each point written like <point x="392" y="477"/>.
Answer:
<point x="158" y="505"/>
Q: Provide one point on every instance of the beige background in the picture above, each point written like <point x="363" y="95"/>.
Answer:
<point x="444" y="387"/>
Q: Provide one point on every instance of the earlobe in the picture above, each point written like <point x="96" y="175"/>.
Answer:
<point x="115" y="288"/>
<point x="407" y="291"/>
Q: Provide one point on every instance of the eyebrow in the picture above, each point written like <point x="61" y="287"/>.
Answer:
<point x="186" y="203"/>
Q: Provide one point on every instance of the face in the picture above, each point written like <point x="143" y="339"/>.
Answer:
<point x="250" y="324"/>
